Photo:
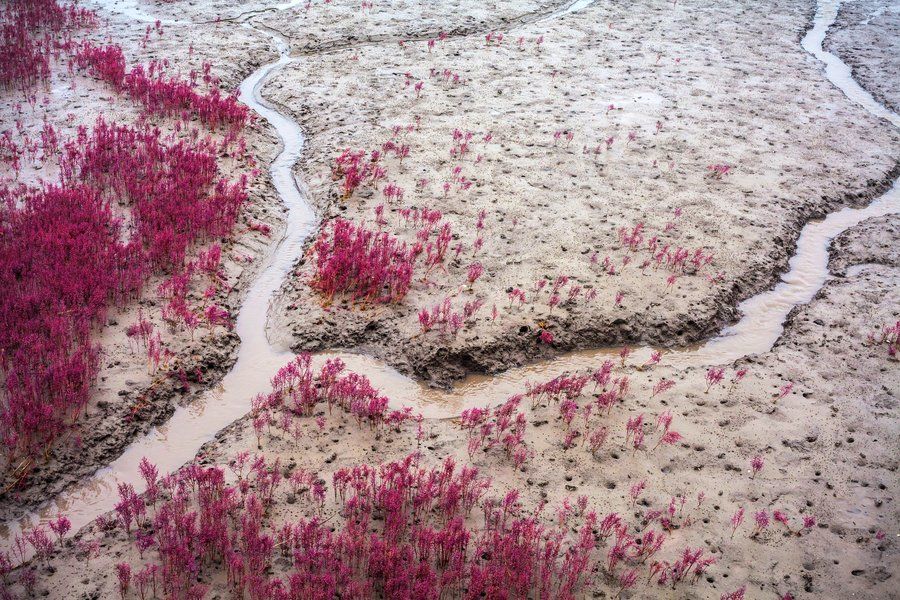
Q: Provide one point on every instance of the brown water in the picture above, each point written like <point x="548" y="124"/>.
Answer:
<point x="178" y="441"/>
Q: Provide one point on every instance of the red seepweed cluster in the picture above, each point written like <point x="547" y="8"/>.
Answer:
<point x="130" y="202"/>
<point x="162" y="94"/>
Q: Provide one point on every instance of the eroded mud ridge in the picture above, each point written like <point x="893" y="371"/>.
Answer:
<point x="572" y="176"/>
<point x="554" y="206"/>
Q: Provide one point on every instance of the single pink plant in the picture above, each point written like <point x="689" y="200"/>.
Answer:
<point x="713" y="377"/>
<point x="756" y="465"/>
<point x="736" y="520"/>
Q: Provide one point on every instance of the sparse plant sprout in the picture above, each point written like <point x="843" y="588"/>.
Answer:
<point x="60" y="526"/>
<point x="782" y="518"/>
<point x="655" y="358"/>
<point x="785" y="390"/>
<point x="123" y="573"/>
<point x="888" y="335"/>
<point x="738" y="594"/>
<point x="474" y="272"/>
<point x="718" y="171"/>
<point x="624" y="353"/>
<point x="553" y="302"/>
<point x="636" y="490"/>
<point x="661" y="386"/>
<point x="714" y="376"/>
<point x="756" y="465"/>
<point x="737" y="378"/>
<point x="737" y="519"/>
<point x="762" y="521"/>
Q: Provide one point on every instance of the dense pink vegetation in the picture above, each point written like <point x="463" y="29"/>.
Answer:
<point x="369" y="266"/>
<point x="422" y="544"/>
<point x="64" y="260"/>
<point x="23" y="62"/>
<point x="403" y="529"/>
<point x="129" y="202"/>
<point x="297" y="390"/>
<point x="163" y="94"/>
<point x="173" y="189"/>
<point x="61" y="264"/>
<point x="31" y="33"/>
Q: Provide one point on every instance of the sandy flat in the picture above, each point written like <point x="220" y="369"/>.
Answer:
<point x="727" y="85"/>
<point x="829" y="448"/>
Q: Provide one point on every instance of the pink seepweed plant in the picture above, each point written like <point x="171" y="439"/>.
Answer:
<point x="162" y="94"/>
<point x="887" y="335"/>
<point x="369" y="266"/>
<point x="32" y="35"/>
<point x="442" y="317"/>
<point x="410" y="525"/>
<point x="129" y="202"/>
<point x="756" y="465"/>
<point x="714" y="376"/>
<point x="718" y="171"/>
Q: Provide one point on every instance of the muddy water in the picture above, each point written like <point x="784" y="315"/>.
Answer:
<point x="177" y="442"/>
<point x="837" y="70"/>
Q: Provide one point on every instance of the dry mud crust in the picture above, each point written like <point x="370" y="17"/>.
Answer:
<point x="866" y="36"/>
<point x="830" y="449"/>
<point x="129" y="400"/>
<point x="322" y="26"/>
<point x="729" y="84"/>
<point x="336" y="25"/>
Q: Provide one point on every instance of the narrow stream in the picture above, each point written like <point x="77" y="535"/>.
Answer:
<point x="177" y="442"/>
